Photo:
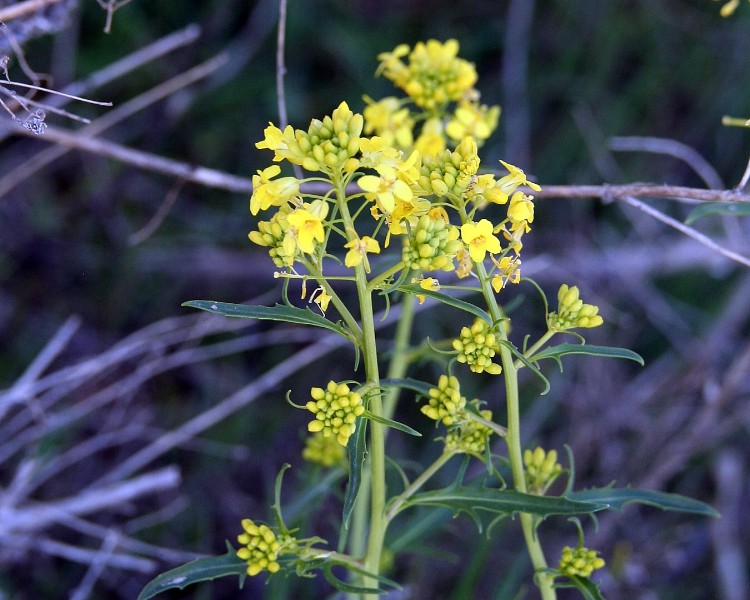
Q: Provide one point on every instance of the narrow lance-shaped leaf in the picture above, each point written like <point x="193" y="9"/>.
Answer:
<point x="616" y="498"/>
<point x="201" y="569"/>
<point x="471" y="500"/>
<point x="279" y="312"/>
<point x="588" y="589"/>
<point x="556" y="352"/>
<point x="357" y="448"/>
<point x="416" y="289"/>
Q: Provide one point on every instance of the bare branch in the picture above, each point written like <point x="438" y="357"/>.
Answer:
<point x="688" y="231"/>
<point x="619" y="192"/>
<point x="14" y="11"/>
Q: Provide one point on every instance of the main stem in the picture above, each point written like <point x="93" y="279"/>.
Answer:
<point x="377" y="437"/>
<point x="513" y="440"/>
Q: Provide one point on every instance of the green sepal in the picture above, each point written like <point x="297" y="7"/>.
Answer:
<point x="616" y="498"/>
<point x="201" y="569"/>
<point x="556" y="352"/>
<point x="357" y="449"/>
<point x="415" y="289"/>
<point x="279" y="312"/>
<point x="589" y="590"/>
<point x="715" y="209"/>
<point x="392" y="424"/>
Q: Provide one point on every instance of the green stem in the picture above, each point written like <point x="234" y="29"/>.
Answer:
<point x="377" y="436"/>
<point x="536" y="346"/>
<point x="415" y="485"/>
<point x="376" y="281"/>
<point x="513" y="439"/>
<point x="400" y="357"/>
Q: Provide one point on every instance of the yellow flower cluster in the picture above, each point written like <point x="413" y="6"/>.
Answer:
<point x="260" y="548"/>
<point x="432" y="245"/>
<point x="572" y="312"/>
<point x="445" y="402"/>
<point x="471" y="437"/>
<point x="476" y="345"/>
<point x="324" y="451"/>
<point x="336" y="409"/>
<point x="542" y="469"/>
<point x="434" y="75"/>
<point x="450" y="173"/>
<point x="579" y="562"/>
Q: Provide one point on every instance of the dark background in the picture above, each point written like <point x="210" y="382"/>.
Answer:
<point x="72" y="243"/>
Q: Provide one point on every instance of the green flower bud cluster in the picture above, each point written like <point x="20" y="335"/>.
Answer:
<point x="271" y="234"/>
<point x="476" y="346"/>
<point x="336" y="409"/>
<point x="323" y="451"/>
<point x="445" y="403"/>
<point x="261" y="547"/>
<point x="572" y="312"/>
<point x="450" y="173"/>
<point x="542" y="469"/>
<point x="579" y="562"/>
<point x="471" y="437"/>
<point x="333" y="141"/>
<point x="432" y="245"/>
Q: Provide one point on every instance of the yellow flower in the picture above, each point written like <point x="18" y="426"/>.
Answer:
<point x="385" y="188"/>
<point x="510" y="271"/>
<point x="376" y="151"/>
<point x="268" y="192"/>
<point x="260" y="548"/>
<point x="390" y="121"/>
<point x="521" y="212"/>
<point x="321" y="298"/>
<point x="431" y="140"/>
<point x="471" y="119"/>
<point x="325" y="451"/>
<point x="515" y="178"/>
<point x="479" y="239"/>
<point x="429" y="283"/>
<point x="358" y="249"/>
<point x="308" y="225"/>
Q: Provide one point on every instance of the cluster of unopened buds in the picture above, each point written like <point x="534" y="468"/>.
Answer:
<point x="579" y="562"/>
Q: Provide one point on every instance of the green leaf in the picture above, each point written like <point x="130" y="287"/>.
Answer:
<point x="280" y="312"/>
<point x="326" y="569"/>
<point x="715" y="209"/>
<point x="415" y="289"/>
<point x="556" y="352"/>
<point x="589" y="590"/>
<point x="392" y="424"/>
<point x="421" y="387"/>
<point x="202" y="569"/>
<point x="471" y="500"/>
<point x="529" y="364"/>
<point x="616" y="498"/>
<point x="357" y="448"/>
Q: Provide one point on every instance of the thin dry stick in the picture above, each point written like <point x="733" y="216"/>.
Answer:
<point x="280" y="72"/>
<point x="97" y="566"/>
<point x="18" y="10"/>
<point x="131" y="107"/>
<point x="619" y="192"/>
<point x="688" y="231"/>
<point x="155" y="222"/>
<point x="745" y="178"/>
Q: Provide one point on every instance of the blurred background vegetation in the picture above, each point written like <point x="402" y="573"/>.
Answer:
<point x="72" y="243"/>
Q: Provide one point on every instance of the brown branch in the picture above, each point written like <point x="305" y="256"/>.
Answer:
<point x="620" y="192"/>
<point x="18" y="10"/>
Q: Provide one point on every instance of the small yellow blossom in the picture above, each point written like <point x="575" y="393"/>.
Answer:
<point x="521" y="212"/>
<point x="480" y="239"/>
<point x="509" y="271"/>
<point x="579" y="562"/>
<point x="428" y="283"/>
<point x="324" y="451"/>
<point x="358" y="250"/>
<point x="431" y="140"/>
<point x="308" y="225"/>
<point x="376" y="151"/>
<point x="260" y="548"/>
<point x="268" y="192"/>
<point x="336" y="409"/>
<point x="445" y="402"/>
<point x="542" y="469"/>
<point x="572" y="312"/>
<point x="321" y="298"/>
<point x="388" y="119"/>
<point x="476" y="346"/>
<point x="385" y="188"/>
<point x="515" y="177"/>
<point x="474" y="120"/>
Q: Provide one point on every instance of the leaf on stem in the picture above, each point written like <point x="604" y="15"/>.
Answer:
<point x="716" y="209"/>
<point x="417" y="290"/>
<point x="589" y="590"/>
<point x="616" y="498"/>
<point x="202" y="569"/>
<point x="280" y="312"/>
<point x="556" y="352"/>
<point x="357" y="448"/>
<point x="392" y="424"/>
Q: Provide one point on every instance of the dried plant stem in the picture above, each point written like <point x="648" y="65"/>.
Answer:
<point x="8" y="13"/>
